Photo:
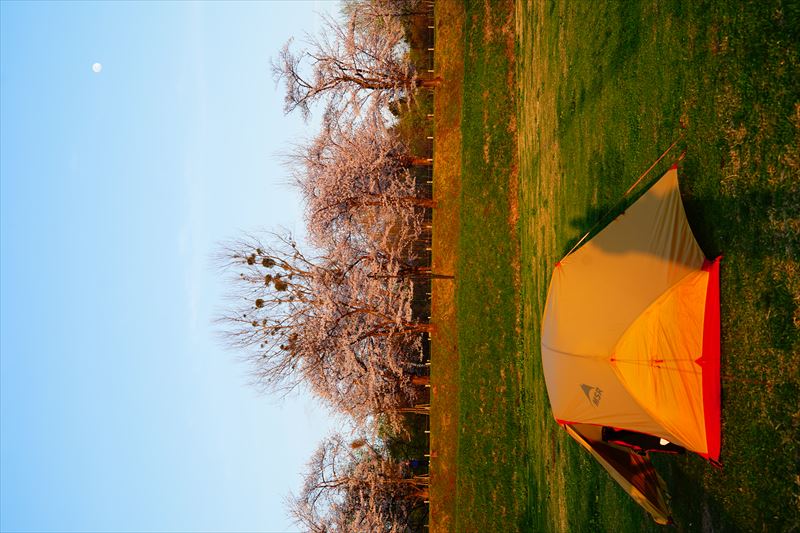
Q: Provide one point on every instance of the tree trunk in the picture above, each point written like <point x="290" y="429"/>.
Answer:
<point x="429" y="83"/>
<point x="423" y="481"/>
<point x="419" y="327"/>
<point x="422" y="272"/>
<point x="421" y="380"/>
<point x="407" y="200"/>
<point x="415" y="161"/>
<point x="423" y="409"/>
<point x="419" y="202"/>
<point x="420" y="494"/>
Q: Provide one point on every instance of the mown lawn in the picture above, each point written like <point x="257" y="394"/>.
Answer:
<point x="492" y="487"/>
<point x="570" y="102"/>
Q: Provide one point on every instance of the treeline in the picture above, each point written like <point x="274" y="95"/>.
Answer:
<point x="344" y="317"/>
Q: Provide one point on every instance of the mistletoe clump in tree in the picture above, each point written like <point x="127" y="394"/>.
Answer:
<point x="346" y="333"/>
<point x="339" y="320"/>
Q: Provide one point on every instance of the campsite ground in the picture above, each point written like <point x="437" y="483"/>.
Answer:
<point x="561" y="107"/>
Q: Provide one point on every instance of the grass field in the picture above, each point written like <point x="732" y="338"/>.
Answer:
<point x="444" y="344"/>
<point x="487" y="298"/>
<point x="564" y="105"/>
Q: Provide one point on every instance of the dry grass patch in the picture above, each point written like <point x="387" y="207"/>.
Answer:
<point x="449" y="23"/>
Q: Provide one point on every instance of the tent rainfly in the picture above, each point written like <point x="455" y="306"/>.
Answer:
<point x="631" y="343"/>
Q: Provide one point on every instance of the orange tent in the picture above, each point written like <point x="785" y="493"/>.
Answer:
<point x="630" y="338"/>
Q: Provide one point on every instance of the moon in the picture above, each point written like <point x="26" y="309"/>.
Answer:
<point x="97" y="67"/>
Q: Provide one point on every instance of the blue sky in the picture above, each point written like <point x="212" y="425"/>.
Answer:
<point x="120" y="409"/>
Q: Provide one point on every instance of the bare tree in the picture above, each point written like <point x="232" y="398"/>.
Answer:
<point x="348" y="334"/>
<point x="357" y="487"/>
<point x="357" y="186"/>
<point x="274" y="297"/>
<point x="372" y="11"/>
<point x="360" y="196"/>
<point x="349" y="65"/>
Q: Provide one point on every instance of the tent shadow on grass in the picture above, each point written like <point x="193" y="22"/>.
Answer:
<point x="685" y="477"/>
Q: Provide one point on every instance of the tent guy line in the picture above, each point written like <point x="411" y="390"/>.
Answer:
<point x="626" y="193"/>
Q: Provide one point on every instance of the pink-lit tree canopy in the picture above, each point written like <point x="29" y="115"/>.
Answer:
<point x="356" y="487"/>
<point x="342" y="315"/>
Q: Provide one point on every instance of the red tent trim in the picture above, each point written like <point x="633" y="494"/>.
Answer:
<point x="710" y="361"/>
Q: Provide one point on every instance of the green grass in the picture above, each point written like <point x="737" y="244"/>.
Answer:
<point x="491" y="486"/>
<point x="600" y="92"/>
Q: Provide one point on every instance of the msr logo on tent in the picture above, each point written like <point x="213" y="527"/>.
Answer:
<point x="593" y="394"/>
